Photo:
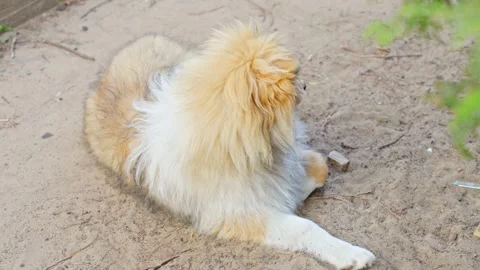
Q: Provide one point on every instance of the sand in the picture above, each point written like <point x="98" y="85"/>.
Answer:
<point x="59" y="208"/>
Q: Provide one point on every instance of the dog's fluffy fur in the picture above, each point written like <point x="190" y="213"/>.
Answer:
<point x="213" y="136"/>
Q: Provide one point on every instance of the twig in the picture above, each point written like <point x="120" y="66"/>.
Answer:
<point x="81" y="55"/>
<point x="94" y="8"/>
<point x="9" y="121"/>
<point x="6" y="100"/>
<point x="78" y="223"/>
<point x="393" y="56"/>
<point x="205" y="11"/>
<point x="348" y="50"/>
<point x="389" y="210"/>
<point x="391" y="143"/>
<point x="328" y="120"/>
<point x="342" y="197"/>
<point x="167" y="261"/>
<point x="12" y="49"/>
<point x="263" y="10"/>
<point x="332" y="197"/>
<point x="359" y="194"/>
<point x="72" y="254"/>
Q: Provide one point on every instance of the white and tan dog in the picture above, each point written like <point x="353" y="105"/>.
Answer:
<point x="213" y="136"/>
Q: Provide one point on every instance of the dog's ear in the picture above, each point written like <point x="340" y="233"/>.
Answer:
<point x="260" y="72"/>
<point x="273" y="75"/>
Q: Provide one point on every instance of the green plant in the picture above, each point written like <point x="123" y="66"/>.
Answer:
<point x="5" y="28"/>
<point x="428" y="17"/>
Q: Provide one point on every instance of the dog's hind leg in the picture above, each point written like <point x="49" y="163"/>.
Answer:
<point x="317" y="171"/>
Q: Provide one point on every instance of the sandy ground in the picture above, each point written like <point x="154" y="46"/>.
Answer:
<point x="59" y="208"/>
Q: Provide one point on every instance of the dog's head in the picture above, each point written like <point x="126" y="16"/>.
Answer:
<point x="250" y="83"/>
<point x="261" y="74"/>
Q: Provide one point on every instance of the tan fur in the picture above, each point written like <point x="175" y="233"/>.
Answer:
<point x="109" y="109"/>
<point x="247" y="104"/>
<point x="251" y="229"/>
<point x="316" y="167"/>
<point x="255" y="87"/>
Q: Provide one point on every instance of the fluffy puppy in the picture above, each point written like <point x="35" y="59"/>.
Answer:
<point x="213" y="136"/>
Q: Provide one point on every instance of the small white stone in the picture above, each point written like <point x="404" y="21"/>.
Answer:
<point x="339" y="161"/>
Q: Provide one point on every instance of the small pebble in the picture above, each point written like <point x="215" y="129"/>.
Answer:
<point x="429" y="150"/>
<point x="84" y="28"/>
<point x="47" y="135"/>
<point x="22" y="265"/>
<point x="339" y="161"/>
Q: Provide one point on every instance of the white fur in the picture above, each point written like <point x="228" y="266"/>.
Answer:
<point x="309" y="186"/>
<point x="298" y="234"/>
<point x="273" y="195"/>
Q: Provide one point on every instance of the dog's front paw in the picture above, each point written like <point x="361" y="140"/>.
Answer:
<point x="351" y="257"/>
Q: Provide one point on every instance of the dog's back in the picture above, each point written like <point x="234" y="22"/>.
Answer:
<point x="109" y="109"/>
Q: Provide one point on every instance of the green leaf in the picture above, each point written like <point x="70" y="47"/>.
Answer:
<point x="467" y="119"/>
<point x="448" y="93"/>
<point x="5" y="28"/>
<point x="428" y="18"/>
<point x="473" y="67"/>
<point x="383" y="33"/>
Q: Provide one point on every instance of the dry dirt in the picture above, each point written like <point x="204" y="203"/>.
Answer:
<point x="59" y="208"/>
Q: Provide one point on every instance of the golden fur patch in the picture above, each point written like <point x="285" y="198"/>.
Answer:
<point x="316" y="167"/>
<point x="246" y="104"/>
<point x="109" y="110"/>
<point x="247" y="229"/>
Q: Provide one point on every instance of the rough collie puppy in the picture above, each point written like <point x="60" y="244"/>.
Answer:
<point x="213" y="136"/>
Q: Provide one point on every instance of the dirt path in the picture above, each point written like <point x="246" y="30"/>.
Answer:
<point x="57" y="204"/>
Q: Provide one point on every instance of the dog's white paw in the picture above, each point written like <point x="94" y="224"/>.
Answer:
<point x="350" y="257"/>
<point x="298" y="234"/>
